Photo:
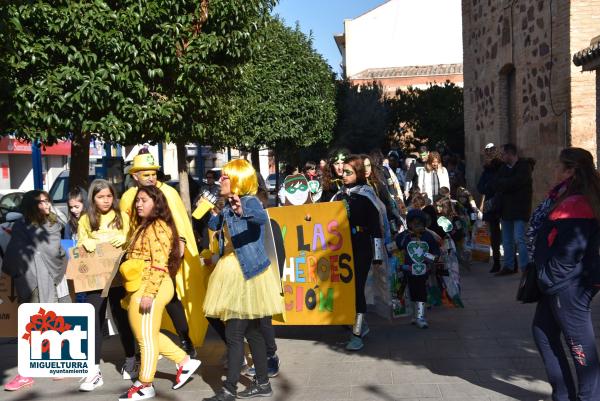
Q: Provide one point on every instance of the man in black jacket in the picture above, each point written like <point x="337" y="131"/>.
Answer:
<point x="514" y="185"/>
<point x="412" y="175"/>
<point x="491" y="166"/>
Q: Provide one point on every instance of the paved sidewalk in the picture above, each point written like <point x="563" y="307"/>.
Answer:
<point x="482" y="352"/>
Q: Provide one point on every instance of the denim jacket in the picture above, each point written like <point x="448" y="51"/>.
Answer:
<point x="247" y="234"/>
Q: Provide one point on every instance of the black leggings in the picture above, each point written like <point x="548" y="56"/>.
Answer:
<point x="417" y="287"/>
<point x="495" y="239"/>
<point x="266" y="327"/>
<point x="115" y="294"/>
<point x="177" y="315"/>
<point x="568" y="313"/>
<point x="363" y="257"/>
<point x="235" y="331"/>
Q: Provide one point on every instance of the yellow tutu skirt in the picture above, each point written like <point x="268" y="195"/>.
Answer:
<point x="231" y="296"/>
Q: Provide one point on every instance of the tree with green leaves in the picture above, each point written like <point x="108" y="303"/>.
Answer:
<point x="434" y="115"/>
<point x="285" y="98"/>
<point x="364" y="117"/>
<point x="124" y="71"/>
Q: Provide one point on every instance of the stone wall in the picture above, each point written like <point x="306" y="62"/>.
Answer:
<point x="519" y="80"/>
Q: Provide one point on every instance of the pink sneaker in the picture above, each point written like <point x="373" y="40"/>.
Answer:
<point x="18" y="383"/>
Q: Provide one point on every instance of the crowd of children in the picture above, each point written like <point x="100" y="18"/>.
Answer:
<point x="417" y="240"/>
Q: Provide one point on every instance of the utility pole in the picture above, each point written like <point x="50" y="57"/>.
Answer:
<point x="36" y="156"/>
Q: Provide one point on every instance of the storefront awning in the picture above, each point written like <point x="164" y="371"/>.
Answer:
<point x="17" y="147"/>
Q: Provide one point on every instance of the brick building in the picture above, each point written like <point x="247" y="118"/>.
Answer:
<point x="589" y="60"/>
<point x="520" y="84"/>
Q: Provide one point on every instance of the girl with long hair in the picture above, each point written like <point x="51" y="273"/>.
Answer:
<point x="242" y="290"/>
<point x="434" y="176"/>
<point x="563" y="237"/>
<point x="314" y="182"/>
<point x="153" y="258"/>
<point x="370" y="232"/>
<point x="77" y="204"/>
<point x="104" y="223"/>
<point x="333" y="174"/>
<point x="373" y="174"/>
<point x="35" y="260"/>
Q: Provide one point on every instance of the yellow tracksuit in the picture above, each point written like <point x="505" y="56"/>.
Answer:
<point x="153" y="246"/>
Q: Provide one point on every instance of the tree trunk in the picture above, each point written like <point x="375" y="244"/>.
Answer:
<point x="184" y="184"/>
<point x="254" y="155"/>
<point x="80" y="161"/>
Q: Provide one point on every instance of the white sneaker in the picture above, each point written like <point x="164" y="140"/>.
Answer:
<point x="91" y="383"/>
<point x="185" y="371"/>
<point x="138" y="392"/>
<point x="422" y="323"/>
<point x="130" y="369"/>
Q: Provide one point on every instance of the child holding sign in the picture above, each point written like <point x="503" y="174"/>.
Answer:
<point x="420" y="249"/>
<point x="104" y="223"/>
<point x="242" y="288"/>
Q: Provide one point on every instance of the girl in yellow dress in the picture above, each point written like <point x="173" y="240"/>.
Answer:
<point x="104" y="223"/>
<point x="153" y="257"/>
<point x="242" y="289"/>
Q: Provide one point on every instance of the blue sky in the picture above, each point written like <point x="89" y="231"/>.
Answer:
<point x="324" y="18"/>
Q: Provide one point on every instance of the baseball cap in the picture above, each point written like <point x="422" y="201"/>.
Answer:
<point x="489" y="146"/>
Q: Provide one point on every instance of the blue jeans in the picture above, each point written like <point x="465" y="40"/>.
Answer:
<point x="568" y="313"/>
<point x="514" y="231"/>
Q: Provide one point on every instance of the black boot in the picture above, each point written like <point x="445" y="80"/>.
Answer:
<point x="495" y="267"/>
<point x="188" y="345"/>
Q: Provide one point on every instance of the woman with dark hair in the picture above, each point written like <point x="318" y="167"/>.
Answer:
<point x="105" y="223"/>
<point x="563" y="238"/>
<point x="374" y="179"/>
<point x="314" y="182"/>
<point x="368" y="227"/>
<point x="35" y="260"/>
<point x="153" y="258"/>
<point x="333" y="174"/>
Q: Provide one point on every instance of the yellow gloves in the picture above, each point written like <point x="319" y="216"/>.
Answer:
<point x="89" y="244"/>
<point x="118" y="240"/>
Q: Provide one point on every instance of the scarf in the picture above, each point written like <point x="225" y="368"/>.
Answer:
<point x="540" y="214"/>
<point x="369" y="193"/>
<point x="435" y="184"/>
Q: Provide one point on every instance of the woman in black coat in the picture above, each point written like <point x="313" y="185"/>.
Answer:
<point x="563" y="238"/>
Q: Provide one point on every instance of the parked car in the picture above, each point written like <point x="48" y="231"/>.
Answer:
<point x="10" y="203"/>
<point x="59" y="194"/>
<point x="216" y="172"/>
<point x="271" y="182"/>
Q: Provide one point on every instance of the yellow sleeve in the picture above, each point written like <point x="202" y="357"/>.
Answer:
<point x="126" y="224"/>
<point x="126" y="202"/>
<point x="83" y="229"/>
<point x="159" y="240"/>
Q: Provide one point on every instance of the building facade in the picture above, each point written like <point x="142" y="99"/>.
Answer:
<point x="519" y="83"/>
<point x="394" y="44"/>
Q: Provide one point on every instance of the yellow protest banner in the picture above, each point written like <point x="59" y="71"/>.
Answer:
<point x="314" y="252"/>
<point x="8" y="307"/>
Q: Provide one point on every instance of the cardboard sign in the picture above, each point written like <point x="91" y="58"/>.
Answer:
<point x="314" y="256"/>
<point x="92" y="270"/>
<point x="8" y="307"/>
